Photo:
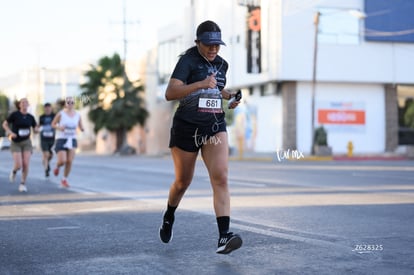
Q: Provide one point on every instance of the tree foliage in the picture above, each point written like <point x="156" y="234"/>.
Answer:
<point x="409" y="115"/>
<point x="4" y="111"/>
<point x="321" y="136"/>
<point x="115" y="102"/>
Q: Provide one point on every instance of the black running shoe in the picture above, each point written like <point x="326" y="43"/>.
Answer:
<point x="166" y="233"/>
<point x="229" y="242"/>
<point x="47" y="171"/>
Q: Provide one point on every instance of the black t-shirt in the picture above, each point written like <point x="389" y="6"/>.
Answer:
<point x="202" y="107"/>
<point x="21" y="124"/>
<point x="47" y="133"/>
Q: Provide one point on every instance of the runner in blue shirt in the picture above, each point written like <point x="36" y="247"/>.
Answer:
<point x="47" y="136"/>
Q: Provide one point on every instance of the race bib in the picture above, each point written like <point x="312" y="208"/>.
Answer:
<point x="47" y="133"/>
<point x="23" y="132"/>
<point x="69" y="132"/>
<point x="210" y="103"/>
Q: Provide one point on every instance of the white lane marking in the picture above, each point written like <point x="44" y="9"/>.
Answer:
<point x="63" y="228"/>
<point x="233" y="181"/>
<point x="286" y="236"/>
<point x="245" y="184"/>
<point x="382" y="176"/>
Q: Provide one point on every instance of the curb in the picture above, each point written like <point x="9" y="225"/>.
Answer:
<point x="364" y="158"/>
<point x="267" y="159"/>
<point x="324" y="158"/>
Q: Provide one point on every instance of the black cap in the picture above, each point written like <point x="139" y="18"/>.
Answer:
<point x="211" y="38"/>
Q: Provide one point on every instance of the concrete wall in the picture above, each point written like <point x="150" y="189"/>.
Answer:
<point x="368" y="137"/>
<point x="372" y="62"/>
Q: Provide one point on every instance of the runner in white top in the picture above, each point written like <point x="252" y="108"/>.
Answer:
<point x="66" y="124"/>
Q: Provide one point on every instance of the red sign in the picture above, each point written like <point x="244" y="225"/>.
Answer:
<point x="254" y="21"/>
<point x="348" y="117"/>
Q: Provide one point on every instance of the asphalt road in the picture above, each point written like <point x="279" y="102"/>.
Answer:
<point x="294" y="218"/>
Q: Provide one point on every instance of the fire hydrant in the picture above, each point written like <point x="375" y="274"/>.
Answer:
<point x="350" y="147"/>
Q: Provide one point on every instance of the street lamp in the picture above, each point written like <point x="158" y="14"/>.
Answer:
<point x="354" y="13"/>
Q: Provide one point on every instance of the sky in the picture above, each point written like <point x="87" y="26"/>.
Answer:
<point x="62" y="33"/>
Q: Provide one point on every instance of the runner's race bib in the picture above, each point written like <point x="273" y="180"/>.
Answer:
<point x="23" y="132"/>
<point x="69" y="132"/>
<point x="210" y="102"/>
<point x="47" y="134"/>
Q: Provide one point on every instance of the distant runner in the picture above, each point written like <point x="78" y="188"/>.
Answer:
<point x="21" y="123"/>
<point x="66" y="122"/>
<point x="47" y="136"/>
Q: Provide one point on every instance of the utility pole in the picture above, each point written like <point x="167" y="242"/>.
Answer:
<point x="125" y="42"/>
<point x="315" y="61"/>
<point x="124" y="27"/>
<point x="125" y="149"/>
<point x="125" y="23"/>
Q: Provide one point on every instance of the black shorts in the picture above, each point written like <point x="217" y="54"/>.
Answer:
<point x="47" y="144"/>
<point x="191" y="138"/>
<point x="61" y="142"/>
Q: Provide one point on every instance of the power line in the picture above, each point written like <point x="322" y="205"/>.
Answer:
<point x="125" y="23"/>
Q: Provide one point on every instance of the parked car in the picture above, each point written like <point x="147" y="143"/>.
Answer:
<point x="4" y="143"/>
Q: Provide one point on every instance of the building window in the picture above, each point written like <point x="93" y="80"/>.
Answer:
<point x="262" y="90"/>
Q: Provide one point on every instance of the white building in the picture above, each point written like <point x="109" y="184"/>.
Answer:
<point x="355" y="80"/>
<point x="42" y="85"/>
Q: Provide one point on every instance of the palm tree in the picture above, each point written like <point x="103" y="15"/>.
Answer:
<point x="116" y="103"/>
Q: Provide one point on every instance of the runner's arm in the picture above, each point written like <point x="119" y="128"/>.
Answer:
<point x="177" y="89"/>
<point x="80" y="125"/>
<point x="6" y="128"/>
<point x="55" y="123"/>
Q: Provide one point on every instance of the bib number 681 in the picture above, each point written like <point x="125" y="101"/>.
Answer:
<point x="213" y="103"/>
